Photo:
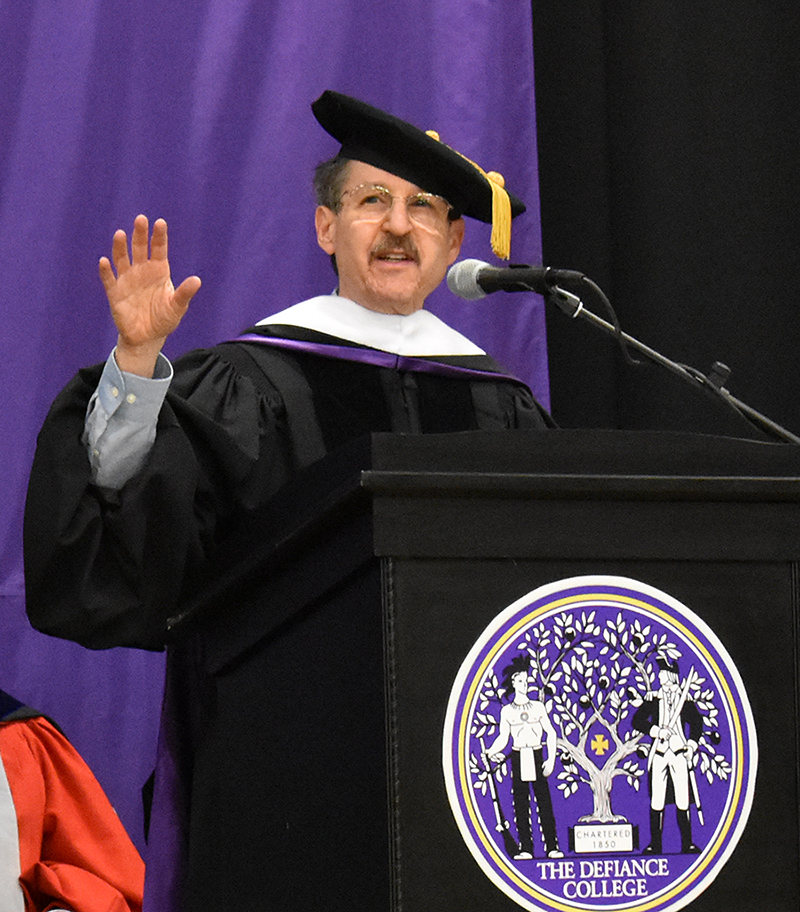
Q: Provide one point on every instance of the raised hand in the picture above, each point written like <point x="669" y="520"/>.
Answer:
<point x="145" y="305"/>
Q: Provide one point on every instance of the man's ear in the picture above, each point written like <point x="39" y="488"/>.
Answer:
<point x="456" y="229"/>
<point x="325" y="223"/>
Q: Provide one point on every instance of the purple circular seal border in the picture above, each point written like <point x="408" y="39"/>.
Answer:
<point x="502" y="637"/>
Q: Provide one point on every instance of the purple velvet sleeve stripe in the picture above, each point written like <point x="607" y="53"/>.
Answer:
<point x="374" y="357"/>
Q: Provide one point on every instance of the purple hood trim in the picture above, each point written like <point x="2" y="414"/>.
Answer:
<point x="376" y="357"/>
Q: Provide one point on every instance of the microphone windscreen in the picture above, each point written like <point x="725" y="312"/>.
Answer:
<point x="462" y="279"/>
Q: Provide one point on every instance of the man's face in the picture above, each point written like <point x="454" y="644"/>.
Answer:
<point x="520" y="682"/>
<point x="388" y="263"/>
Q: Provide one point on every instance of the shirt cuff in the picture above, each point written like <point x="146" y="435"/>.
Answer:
<point x="121" y="420"/>
<point x="117" y="388"/>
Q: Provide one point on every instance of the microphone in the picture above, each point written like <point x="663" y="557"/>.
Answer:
<point x="474" y="279"/>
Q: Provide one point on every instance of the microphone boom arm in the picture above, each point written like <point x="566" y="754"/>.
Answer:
<point x="572" y="306"/>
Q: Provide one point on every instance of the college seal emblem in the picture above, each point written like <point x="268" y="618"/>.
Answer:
<point x="599" y="749"/>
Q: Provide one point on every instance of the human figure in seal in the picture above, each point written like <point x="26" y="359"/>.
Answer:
<point x="526" y="723"/>
<point x="675" y="724"/>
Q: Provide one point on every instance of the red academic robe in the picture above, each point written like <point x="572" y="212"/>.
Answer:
<point x="74" y="852"/>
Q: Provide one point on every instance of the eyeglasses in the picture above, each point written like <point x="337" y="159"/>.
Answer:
<point x="373" y="203"/>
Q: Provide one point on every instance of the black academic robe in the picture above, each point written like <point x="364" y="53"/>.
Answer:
<point x="240" y="420"/>
<point x="282" y="798"/>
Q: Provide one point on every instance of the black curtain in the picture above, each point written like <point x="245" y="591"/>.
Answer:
<point x="669" y="144"/>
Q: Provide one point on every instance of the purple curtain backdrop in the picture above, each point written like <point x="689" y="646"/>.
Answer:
<point x="198" y="111"/>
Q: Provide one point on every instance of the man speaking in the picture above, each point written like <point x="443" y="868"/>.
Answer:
<point x="146" y="471"/>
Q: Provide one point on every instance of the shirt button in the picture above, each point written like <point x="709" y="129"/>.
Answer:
<point x="114" y="391"/>
<point x="130" y="398"/>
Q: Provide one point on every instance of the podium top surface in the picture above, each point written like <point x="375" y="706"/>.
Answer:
<point x="582" y="452"/>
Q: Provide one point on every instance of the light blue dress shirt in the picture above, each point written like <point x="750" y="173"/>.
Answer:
<point x="121" y="421"/>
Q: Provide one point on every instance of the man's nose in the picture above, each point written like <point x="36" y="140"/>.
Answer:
<point x="397" y="220"/>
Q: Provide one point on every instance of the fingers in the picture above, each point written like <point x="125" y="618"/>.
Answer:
<point x="158" y="243"/>
<point x="119" y="251"/>
<point x="139" y="238"/>
<point x="144" y="249"/>
<point x="140" y="242"/>
<point x="107" y="276"/>
<point x="186" y="291"/>
<point x="139" y="247"/>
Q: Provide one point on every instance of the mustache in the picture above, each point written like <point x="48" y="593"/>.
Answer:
<point x="396" y="244"/>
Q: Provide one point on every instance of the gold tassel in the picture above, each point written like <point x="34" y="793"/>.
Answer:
<point x="501" y="206"/>
<point x="501" y="216"/>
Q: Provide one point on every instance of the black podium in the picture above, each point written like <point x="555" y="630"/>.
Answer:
<point x="331" y="640"/>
